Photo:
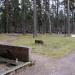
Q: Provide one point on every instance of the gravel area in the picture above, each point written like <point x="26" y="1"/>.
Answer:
<point x="49" y="66"/>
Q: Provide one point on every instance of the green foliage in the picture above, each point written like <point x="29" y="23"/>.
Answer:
<point x="51" y="16"/>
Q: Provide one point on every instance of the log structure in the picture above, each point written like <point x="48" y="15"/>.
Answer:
<point x="22" y="53"/>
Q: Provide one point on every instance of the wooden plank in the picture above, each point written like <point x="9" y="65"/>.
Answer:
<point x="22" y="53"/>
<point x="15" y="68"/>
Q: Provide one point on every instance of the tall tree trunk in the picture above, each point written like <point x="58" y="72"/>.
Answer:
<point x="73" y="17"/>
<point x="68" y="16"/>
<point x="48" y="15"/>
<point x="23" y="17"/>
<point x="50" y="27"/>
<point x="7" y="15"/>
<point x="35" y="19"/>
<point x="57" y="16"/>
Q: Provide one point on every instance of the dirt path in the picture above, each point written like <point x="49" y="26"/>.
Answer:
<point x="47" y="66"/>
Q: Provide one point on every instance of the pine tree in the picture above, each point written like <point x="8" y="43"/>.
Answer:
<point x="39" y="16"/>
<point x="16" y="15"/>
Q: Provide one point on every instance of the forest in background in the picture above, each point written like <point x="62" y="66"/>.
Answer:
<point x="37" y="16"/>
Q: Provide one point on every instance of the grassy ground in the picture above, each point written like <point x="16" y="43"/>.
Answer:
<point x="2" y="37"/>
<point x="54" y="45"/>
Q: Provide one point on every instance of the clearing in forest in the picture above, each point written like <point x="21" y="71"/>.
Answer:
<point x="54" y="45"/>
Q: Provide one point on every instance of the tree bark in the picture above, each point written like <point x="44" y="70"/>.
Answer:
<point x="68" y="16"/>
<point x="35" y="19"/>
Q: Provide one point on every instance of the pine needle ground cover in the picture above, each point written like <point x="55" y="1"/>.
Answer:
<point x="54" y="45"/>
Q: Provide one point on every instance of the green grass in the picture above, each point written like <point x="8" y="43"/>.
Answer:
<point x="54" y="45"/>
<point x="2" y="37"/>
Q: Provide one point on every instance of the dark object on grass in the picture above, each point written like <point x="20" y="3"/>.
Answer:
<point x="39" y="42"/>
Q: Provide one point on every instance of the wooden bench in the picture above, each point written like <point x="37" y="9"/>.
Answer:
<point x="22" y="53"/>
